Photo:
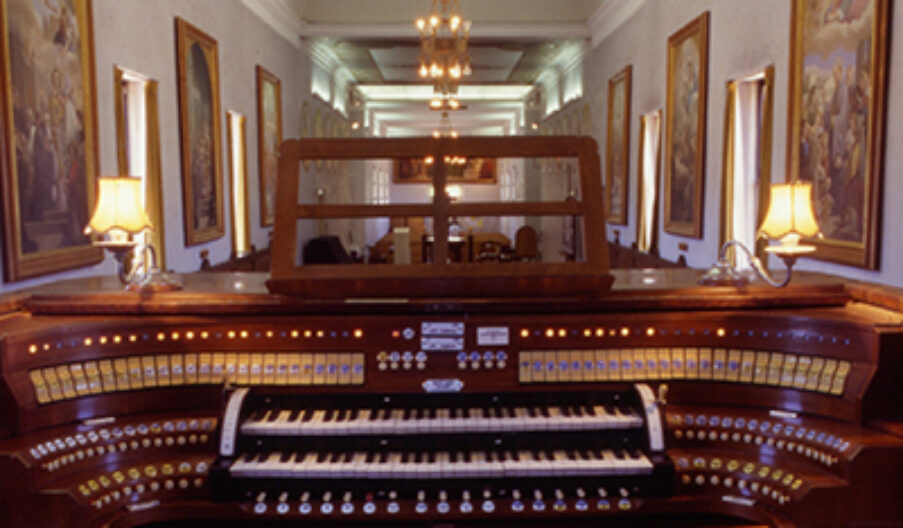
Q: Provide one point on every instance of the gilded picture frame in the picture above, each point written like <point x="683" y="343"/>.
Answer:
<point x="269" y="138"/>
<point x="685" y="129"/>
<point x="50" y="118"/>
<point x="838" y="68"/>
<point x="617" y="147"/>
<point x="200" y="130"/>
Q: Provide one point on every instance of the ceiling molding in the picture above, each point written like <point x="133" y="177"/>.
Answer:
<point x="395" y="31"/>
<point x="609" y="16"/>
<point x="279" y="16"/>
<point x="424" y="92"/>
<point x="570" y="57"/>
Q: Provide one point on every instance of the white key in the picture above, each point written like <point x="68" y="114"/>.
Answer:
<point x="361" y="424"/>
<point x="397" y="420"/>
<point x="521" y="420"/>
<point x="314" y="426"/>
<point x="442" y="421"/>
<point x="563" y="463"/>
<point x="242" y="465"/>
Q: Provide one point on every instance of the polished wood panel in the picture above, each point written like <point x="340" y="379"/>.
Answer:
<point x="850" y="447"/>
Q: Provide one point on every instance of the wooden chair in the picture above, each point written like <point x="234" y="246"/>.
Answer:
<point x="525" y="247"/>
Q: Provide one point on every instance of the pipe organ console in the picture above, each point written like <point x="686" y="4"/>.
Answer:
<point x="669" y="406"/>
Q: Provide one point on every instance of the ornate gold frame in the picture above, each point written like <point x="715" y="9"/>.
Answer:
<point x="696" y="29"/>
<point x="624" y="78"/>
<point x="187" y="36"/>
<point x="268" y="174"/>
<point x="19" y="263"/>
<point x="865" y="252"/>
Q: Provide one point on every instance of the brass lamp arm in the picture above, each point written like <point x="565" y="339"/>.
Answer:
<point x="757" y="266"/>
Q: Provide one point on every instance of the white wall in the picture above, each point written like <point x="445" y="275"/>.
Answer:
<point x="140" y="35"/>
<point x="744" y="37"/>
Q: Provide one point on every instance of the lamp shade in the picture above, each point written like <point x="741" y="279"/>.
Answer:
<point x="118" y="206"/>
<point x="790" y="212"/>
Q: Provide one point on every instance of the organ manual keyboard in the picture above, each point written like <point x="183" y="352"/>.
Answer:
<point x="410" y="454"/>
<point x="520" y="393"/>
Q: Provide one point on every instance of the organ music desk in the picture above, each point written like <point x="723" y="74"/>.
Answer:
<point x="224" y="404"/>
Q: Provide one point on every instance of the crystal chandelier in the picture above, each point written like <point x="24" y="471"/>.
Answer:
<point x="443" y="47"/>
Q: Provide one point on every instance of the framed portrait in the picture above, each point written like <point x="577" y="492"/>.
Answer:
<point x="202" y="186"/>
<point x="49" y="110"/>
<point x="269" y="138"/>
<point x="838" y="65"/>
<point x="688" y="50"/>
<point x="617" y="147"/>
<point x="470" y="170"/>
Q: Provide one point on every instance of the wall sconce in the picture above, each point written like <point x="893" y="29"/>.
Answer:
<point x="119" y="215"/>
<point x="789" y="218"/>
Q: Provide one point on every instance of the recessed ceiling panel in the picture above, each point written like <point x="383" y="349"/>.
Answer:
<point x="490" y="64"/>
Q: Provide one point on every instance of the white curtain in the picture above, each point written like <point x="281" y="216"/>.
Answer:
<point x="651" y="146"/>
<point x="747" y="121"/>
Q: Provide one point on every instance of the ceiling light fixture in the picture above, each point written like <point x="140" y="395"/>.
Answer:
<point x="446" y="103"/>
<point x="443" y="46"/>
<point x="445" y="127"/>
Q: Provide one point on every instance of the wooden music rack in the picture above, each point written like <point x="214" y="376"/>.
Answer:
<point x="440" y="278"/>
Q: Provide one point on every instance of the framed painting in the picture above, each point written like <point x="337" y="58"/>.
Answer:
<point x="50" y="120"/>
<point x="838" y="65"/>
<point x="470" y="170"/>
<point x="269" y="138"/>
<point x="688" y="51"/>
<point x="199" y="123"/>
<point x="617" y="147"/>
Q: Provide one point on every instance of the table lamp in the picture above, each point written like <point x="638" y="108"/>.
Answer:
<point x="119" y="215"/>
<point x="789" y="218"/>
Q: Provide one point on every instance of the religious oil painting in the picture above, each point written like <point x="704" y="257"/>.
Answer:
<point x="269" y="138"/>
<point x="617" y="147"/>
<point x="837" y="97"/>
<point x="457" y="170"/>
<point x="685" y="128"/>
<point x="199" y="120"/>
<point x="50" y="163"/>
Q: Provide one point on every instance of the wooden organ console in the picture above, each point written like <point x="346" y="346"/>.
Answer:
<point x="226" y="403"/>
<point x="493" y="394"/>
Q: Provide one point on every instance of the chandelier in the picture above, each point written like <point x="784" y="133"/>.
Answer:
<point x="445" y="128"/>
<point x="443" y="47"/>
